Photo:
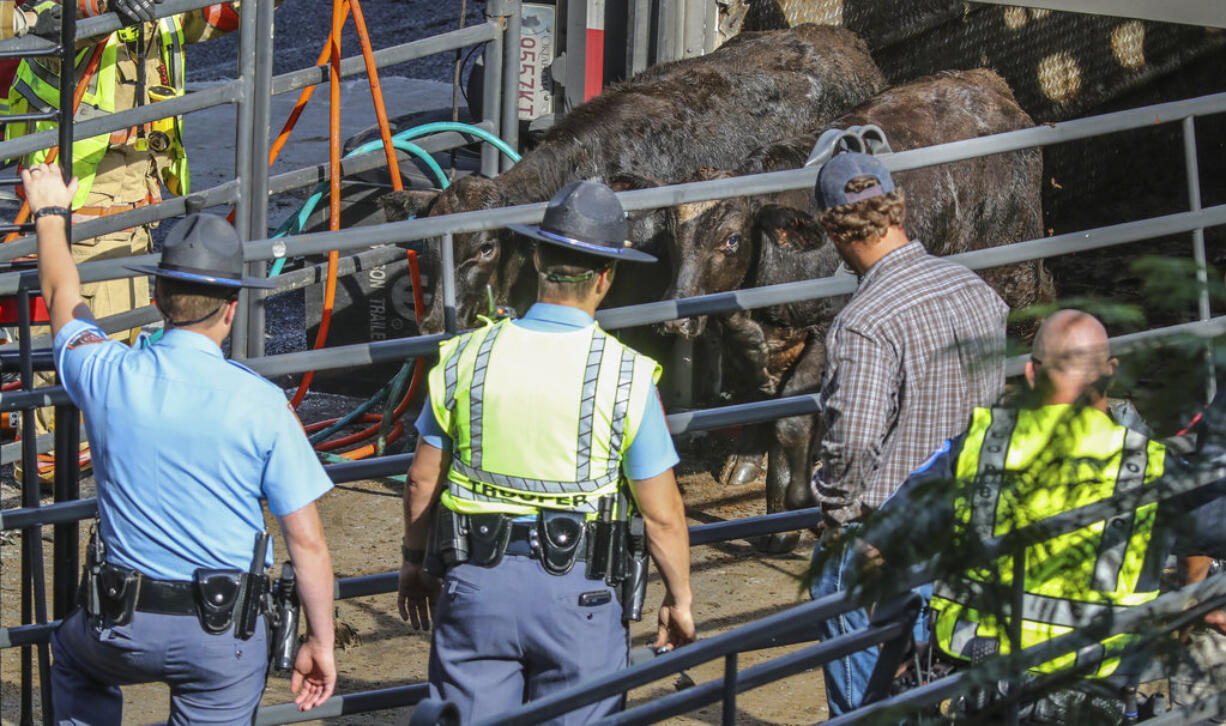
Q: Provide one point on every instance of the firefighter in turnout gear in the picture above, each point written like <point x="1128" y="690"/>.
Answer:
<point x="545" y="447"/>
<point x="138" y="64"/>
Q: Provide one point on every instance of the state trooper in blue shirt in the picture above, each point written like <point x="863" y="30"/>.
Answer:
<point x="541" y="438"/>
<point x="187" y="447"/>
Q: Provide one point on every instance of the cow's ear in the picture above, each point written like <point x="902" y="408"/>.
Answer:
<point x="407" y="204"/>
<point x="626" y="182"/>
<point x="790" y="227"/>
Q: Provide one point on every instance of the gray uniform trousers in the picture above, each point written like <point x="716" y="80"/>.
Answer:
<point x="213" y="679"/>
<point x="514" y="633"/>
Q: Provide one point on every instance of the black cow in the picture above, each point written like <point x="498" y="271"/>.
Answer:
<point x="764" y="240"/>
<point x="665" y="124"/>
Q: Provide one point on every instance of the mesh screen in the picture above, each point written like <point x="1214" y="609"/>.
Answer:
<point x="1064" y="65"/>
<point x="1059" y="64"/>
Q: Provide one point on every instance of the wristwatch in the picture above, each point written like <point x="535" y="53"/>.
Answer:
<point x="57" y="211"/>
<point x="412" y="556"/>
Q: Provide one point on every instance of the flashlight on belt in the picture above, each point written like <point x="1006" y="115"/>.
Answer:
<point x="162" y="130"/>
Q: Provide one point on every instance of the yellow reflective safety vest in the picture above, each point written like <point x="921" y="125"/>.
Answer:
<point x="1018" y="467"/>
<point x="538" y="420"/>
<point x="37" y="88"/>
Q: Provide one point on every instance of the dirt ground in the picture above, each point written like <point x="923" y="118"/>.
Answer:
<point x="733" y="584"/>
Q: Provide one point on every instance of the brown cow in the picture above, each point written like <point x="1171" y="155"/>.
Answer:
<point x="665" y="124"/>
<point x="753" y="241"/>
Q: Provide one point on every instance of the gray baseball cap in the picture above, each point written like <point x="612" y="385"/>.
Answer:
<point x="830" y="189"/>
<point x="203" y="248"/>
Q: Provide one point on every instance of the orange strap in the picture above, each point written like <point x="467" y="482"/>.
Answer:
<point x="109" y="210"/>
<point x="222" y="17"/>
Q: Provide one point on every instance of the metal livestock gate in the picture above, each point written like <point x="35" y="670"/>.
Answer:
<point x="366" y="245"/>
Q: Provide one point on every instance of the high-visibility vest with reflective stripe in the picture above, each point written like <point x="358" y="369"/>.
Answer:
<point x="1021" y="467"/>
<point x="35" y="88"/>
<point x="538" y="420"/>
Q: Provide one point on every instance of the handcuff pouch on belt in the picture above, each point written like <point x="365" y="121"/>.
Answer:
<point x="246" y="604"/>
<point x="488" y="536"/>
<point x="562" y="536"/>
<point x="217" y="594"/>
<point x="229" y="597"/>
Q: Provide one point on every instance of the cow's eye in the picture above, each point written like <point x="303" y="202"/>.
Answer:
<point x="487" y="250"/>
<point x="731" y="245"/>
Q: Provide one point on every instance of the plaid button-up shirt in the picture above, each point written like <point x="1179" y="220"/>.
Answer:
<point x="919" y="345"/>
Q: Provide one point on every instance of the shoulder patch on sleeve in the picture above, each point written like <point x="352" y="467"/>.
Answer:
<point x="245" y="369"/>
<point x="89" y="336"/>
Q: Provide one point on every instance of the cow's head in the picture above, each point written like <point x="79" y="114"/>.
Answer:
<point x="488" y="257"/>
<point x="712" y="250"/>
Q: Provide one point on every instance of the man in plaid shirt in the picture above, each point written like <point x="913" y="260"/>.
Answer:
<point x="919" y="345"/>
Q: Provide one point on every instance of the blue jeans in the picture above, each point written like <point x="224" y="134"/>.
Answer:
<point x="847" y="677"/>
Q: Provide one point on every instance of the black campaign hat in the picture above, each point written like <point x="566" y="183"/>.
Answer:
<point x="586" y="217"/>
<point x="203" y="248"/>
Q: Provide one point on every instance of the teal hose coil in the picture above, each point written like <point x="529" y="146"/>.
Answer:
<point x="295" y="223"/>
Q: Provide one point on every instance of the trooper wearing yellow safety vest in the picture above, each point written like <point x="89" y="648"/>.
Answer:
<point x="139" y="64"/>
<point x="545" y="442"/>
<point x="1015" y="467"/>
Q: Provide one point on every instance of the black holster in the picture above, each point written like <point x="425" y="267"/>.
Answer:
<point x="449" y="538"/>
<point x="283" y="615"/>
<point x="115" y="591"/>
<point x="617" y="553"/>
<point x="634" y="585"/>
<point x="89" y="594"/>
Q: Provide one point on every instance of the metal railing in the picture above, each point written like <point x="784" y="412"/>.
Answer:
<point x="257" y="185"/>
<point x="33" y="590"/>
<point x="251" y="92"/>
<point x="796" y="625"/>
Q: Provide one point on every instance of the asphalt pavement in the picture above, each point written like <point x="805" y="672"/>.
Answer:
<point x="302" y="27"/>
<point x="301" y="30"/>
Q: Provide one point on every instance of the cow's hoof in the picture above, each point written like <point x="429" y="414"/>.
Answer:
<point x="779" y="543"/>
<point x="742" y="469"/>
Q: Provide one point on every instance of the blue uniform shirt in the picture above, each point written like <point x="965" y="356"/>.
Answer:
<point x="186" y="446"/>
<point x="650" y="454"/>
